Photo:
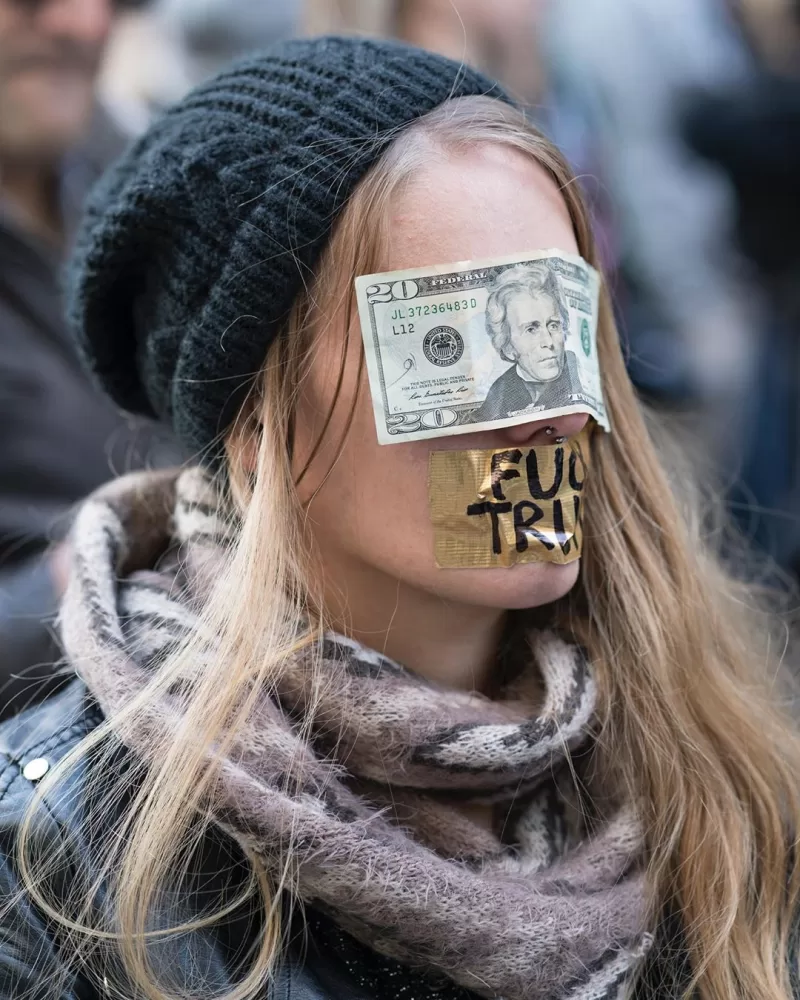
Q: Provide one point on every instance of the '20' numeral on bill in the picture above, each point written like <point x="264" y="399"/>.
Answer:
<point x="385" y="292"/>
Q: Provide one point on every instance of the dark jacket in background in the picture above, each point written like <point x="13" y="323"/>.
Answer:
<point x="753" y="134"/>
<point x="59" y="437"/>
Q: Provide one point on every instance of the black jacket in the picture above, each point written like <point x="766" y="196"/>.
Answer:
<point x="320" y="962"/>
<point x="59" y="437"/>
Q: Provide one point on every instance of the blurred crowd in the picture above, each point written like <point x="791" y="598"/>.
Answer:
<point x="681" y="118"/>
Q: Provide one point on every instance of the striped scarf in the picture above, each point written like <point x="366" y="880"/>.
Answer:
<point x="369" y="802"/>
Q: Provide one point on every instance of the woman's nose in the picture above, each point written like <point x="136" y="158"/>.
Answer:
<point x="544" y="431"/>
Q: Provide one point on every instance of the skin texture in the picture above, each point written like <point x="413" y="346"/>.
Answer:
<point x="536" y="335"/>
<point x="367" y="516"/>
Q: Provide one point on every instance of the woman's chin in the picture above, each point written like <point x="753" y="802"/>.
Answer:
<point x="529" y="585"/>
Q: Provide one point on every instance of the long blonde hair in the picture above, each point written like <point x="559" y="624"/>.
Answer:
<point x="691" y="719"/>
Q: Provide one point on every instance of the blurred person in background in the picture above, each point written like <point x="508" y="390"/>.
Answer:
<point x="773" y="29"/>
<point x="60" y="438"/>
<point x="498" y="37"/>
<point x="216" y="31"/>
<point x="619" y="71"/>
<point x="699" y="319"/>
<point x="157" y="53"/>
<point x="689" y="112"/>
<point x="751" y="130"/>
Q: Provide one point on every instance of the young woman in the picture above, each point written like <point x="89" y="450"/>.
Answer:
<point x="300" y="759"/>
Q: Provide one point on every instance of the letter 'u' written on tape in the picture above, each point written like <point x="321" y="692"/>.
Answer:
<point x="500" y="508"/>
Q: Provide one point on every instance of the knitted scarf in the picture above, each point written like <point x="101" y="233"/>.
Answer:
<point x="370" y="808"/>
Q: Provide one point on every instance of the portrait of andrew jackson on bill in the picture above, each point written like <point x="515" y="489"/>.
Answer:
<point x="527" y="321"/>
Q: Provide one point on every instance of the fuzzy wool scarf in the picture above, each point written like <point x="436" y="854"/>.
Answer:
<point x="371" y="802"/>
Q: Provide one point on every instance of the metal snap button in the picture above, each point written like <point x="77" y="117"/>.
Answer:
<point x="36" y="769"/>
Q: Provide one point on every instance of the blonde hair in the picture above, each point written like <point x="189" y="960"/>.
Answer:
<point x="691" y="722"/>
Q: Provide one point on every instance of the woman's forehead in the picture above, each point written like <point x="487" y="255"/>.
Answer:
<point x="490" y="200"/>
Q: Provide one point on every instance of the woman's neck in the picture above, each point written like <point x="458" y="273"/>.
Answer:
<point x="451" y="644"/>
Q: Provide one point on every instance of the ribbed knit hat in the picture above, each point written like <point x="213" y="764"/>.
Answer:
<point x="195" y="245"/>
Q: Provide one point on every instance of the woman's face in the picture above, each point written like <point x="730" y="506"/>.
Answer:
<point x="367" y="516"/>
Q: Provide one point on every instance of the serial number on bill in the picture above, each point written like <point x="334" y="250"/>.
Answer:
<point x="412" y="312"/>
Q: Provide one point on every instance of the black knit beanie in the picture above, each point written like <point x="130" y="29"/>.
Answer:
<point x="195" y="245"/>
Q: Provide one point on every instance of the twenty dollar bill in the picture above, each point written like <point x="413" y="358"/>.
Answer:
<point x="475" y="345"/>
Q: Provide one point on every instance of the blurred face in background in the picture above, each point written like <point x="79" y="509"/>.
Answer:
<point x="50" y="52"/>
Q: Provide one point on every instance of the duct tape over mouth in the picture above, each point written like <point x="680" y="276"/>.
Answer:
<point x="498" y="508"/>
